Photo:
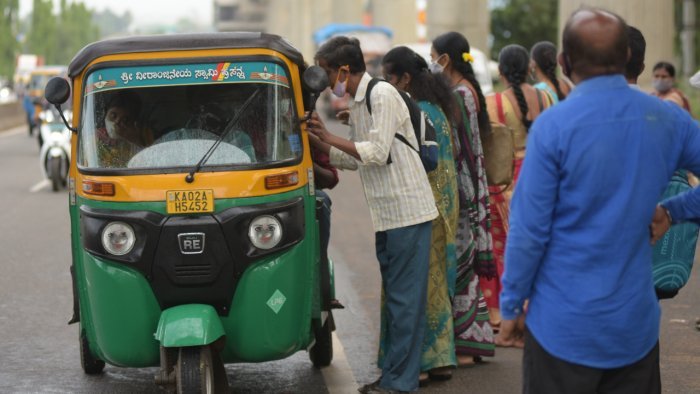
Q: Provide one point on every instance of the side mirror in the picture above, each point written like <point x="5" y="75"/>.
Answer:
<point x="315" y="79"/>
<point x="57" y="91"/>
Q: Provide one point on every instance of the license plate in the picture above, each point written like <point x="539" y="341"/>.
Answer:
<point x="190" y="201"/>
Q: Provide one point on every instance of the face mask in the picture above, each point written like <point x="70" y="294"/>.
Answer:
<point x="435" y="67"/>
<point x="111" y="128"/>
<point x="339" y="88"/>
<point x="662" y="85"/>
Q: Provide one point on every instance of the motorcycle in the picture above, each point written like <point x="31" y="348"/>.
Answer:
<point x="54" y="157"/>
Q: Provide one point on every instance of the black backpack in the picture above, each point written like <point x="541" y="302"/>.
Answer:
<point x="422" y="127"/>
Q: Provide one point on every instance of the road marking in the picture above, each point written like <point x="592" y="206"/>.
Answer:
<point x="42" y="184"/>
<point x="338" y="376"/>
<point x="13" y="131"/>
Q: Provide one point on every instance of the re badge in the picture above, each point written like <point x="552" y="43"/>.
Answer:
<point x="191" y="243"/>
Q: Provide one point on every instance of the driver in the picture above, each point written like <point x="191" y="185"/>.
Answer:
<point x="120" y="138"/>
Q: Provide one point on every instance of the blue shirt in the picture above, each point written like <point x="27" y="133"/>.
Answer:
<point x="579" y="243"/>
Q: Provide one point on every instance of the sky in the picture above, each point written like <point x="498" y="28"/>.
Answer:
<point x="147" y="12"/>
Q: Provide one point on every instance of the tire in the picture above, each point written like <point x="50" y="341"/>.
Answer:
<point x="55" y="176"/>
<point x="195" y="370"/>
<point x="90" y="364"/>
<point x="321" y="354"/>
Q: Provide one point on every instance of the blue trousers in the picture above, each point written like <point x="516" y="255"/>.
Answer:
<point x="404" y="257"/>
<point x="324" y="220"/>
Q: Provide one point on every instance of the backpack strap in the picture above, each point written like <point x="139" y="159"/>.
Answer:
<point x="370" y="86"/>
<point x="372" y="83"/>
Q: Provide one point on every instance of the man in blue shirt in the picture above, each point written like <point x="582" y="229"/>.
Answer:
<point x="579" y="243"/>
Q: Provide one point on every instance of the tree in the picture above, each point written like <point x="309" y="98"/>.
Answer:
<point x="41" y="39"/>
<point x="75" y="30"/>
<point x="111" y="24"/>
<point x="9" y="24"/>
<point x="523" y="22"/>
<point x="57" y="38"/>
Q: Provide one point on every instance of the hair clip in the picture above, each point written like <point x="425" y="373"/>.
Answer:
<point x="467" y="57"/>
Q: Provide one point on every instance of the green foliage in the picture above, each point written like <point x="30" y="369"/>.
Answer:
<point x="523" y="22"/>
<point x="112" y="24"/>
<point x="9" y="24"/>
<point x="57" y="38"/>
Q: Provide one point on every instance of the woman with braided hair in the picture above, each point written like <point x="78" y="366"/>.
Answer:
<point x="543" y="69"/>
<point x="474" y="335"/>
<point x="517" y="107"/>
<point x="408" y="71"/>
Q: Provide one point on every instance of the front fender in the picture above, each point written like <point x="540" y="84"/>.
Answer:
<point x="189" y="325"/>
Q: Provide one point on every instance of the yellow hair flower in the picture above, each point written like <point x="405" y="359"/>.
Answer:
<point x="467" y="57"/>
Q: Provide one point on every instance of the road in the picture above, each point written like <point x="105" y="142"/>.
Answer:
<point x="39" y="351"/>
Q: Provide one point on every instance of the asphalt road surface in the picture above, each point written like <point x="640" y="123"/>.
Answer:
<point x="39" y="351"/>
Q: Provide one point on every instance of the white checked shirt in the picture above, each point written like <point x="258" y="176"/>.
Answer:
<point x="398" y="194"/>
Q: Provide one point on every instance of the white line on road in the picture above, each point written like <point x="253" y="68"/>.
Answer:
<point x="42" y="184"/>
<point x="338" y="376"/>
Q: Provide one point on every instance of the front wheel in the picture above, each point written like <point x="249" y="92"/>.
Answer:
<point x="55" y="175"/>
<point x="90" y="364"/>
<point x="321" y="354"/>
<point x="200" y="370"/>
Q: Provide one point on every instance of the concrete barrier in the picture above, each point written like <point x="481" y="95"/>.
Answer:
<point x="12" y="115"/>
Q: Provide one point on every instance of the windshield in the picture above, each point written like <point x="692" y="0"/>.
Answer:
<point x="169" y="116"/>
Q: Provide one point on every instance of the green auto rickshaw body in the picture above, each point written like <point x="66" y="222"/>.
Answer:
<point x="263" y="302"/>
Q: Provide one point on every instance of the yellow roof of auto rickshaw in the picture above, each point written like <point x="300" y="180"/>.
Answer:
<point x="49" y="70"/>
<point x="183" y="42"/>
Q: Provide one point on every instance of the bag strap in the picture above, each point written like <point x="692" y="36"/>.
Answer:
<point x="370" y="86"/>
<point x="539" y="99"/>
<point x="368" y="91"/>
<point x="499" y="108"/>
<point x="465" y="144"/>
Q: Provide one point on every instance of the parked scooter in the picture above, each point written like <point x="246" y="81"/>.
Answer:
<point x="54" y="157"/>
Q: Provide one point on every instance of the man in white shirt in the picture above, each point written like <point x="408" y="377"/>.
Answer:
<point x="400" y="201"/>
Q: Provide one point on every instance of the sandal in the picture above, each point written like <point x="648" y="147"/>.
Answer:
<point x="440" y="373"/>
<point x="424" y="379"/>
<point x="469" y="361"/>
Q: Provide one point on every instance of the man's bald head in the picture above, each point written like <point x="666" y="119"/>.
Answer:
<point x="595" y="43"/>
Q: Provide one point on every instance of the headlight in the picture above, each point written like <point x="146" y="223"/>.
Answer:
<point x="265" y="232"/>
<point x="118" y="238"/>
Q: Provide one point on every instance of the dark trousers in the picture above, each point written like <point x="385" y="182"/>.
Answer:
<point x="545" y="374"/>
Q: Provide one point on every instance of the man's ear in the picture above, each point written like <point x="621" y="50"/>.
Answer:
<point x="565" y="64"/>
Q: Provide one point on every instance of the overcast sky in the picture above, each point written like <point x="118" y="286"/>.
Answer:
<point x="146" y="12"/>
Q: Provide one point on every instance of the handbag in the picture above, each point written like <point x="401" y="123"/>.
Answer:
<point x="499" y="149"/>
<point x="675" y="252"/>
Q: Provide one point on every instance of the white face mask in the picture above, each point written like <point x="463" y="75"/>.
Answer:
<point x="435" y="67"/>
<point x="339" y="88"/>
<point x="662" y="85"/>
<point x="111" y="128"/>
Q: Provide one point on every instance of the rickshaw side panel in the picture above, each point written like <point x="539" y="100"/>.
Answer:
<point x="124" y="313"/>
<point x="277" y="300"/>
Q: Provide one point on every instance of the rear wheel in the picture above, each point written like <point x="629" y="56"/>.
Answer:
<point x="90" y="364"/>
<point x="321" y="354"/>
<point x="55" y="175"/>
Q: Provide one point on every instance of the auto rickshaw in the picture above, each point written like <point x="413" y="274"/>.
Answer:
<point x="38" y="78"/>
<point x="193" y="212"/>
